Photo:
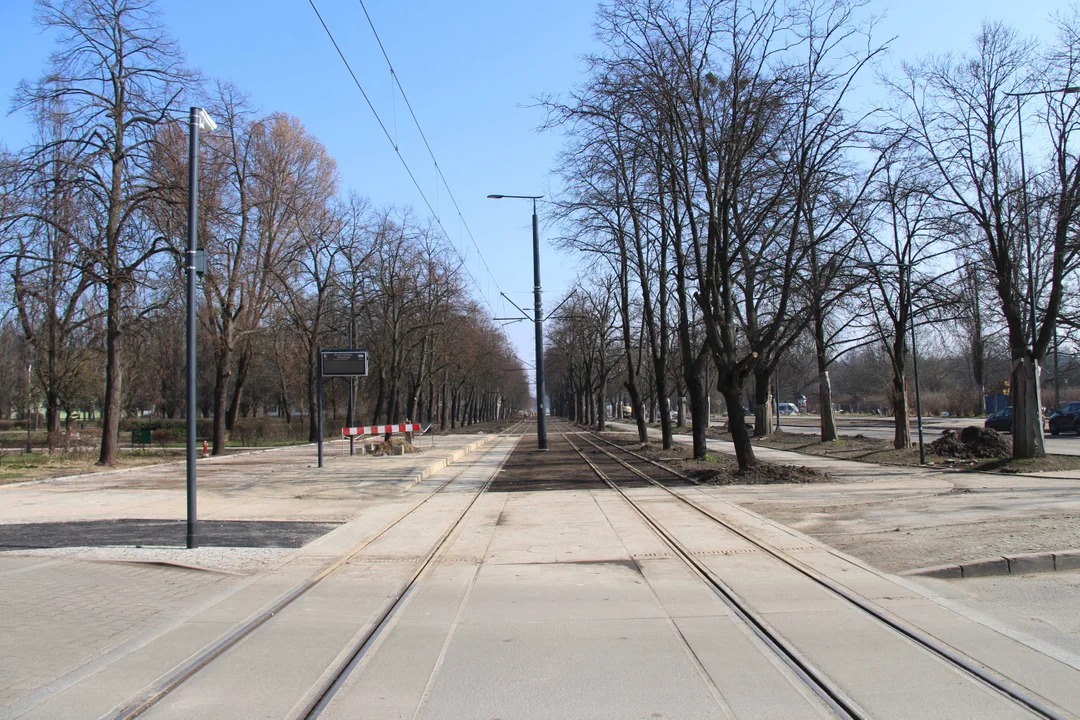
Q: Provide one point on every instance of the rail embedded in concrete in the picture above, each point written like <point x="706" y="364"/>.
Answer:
<point x="149" y="697"/>
<point x="955" y="658"/>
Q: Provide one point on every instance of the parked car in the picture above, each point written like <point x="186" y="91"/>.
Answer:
<point x="1066" y="419"/>
<point x="788" y="409"/>
<point x="1000" y="421"/>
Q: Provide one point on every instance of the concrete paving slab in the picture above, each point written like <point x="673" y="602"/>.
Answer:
<point x="598" y="669"/>
<point x="262" y="677"/>
<point x="559" y="592"/>
<point x="394" y="680"/>
<point x="60" y="616"/>
<point x="95" y="695"/>
<point x="753" y="684"/>
<point x="1040" y="673"/>
<point x="889" y="676"/>
<point x="679" y="591"/>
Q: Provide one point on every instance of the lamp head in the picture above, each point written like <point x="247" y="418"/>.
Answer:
<point x="496" y="197"/>
<point x="206" y="123"/>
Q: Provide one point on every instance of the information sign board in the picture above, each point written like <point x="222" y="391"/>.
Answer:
<point x="344" y="363"/>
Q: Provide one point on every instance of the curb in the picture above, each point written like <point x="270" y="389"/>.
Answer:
<point x="1003" y="565"/>
<point x="449" y="460"/>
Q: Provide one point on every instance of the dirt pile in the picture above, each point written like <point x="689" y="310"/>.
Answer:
<point x="395" y="446"/>
<point x="971" y="443"/>
<point x="761" y="474"/>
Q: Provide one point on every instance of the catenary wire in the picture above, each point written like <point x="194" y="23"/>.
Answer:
<point x="401" y="157"/>
<point x="438" y="168"/>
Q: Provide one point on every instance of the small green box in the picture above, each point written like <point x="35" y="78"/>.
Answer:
<point x="140" y="437"/>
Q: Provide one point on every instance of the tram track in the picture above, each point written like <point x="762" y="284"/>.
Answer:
<point x="334" y="677"/>
<point x="834" y="697"/>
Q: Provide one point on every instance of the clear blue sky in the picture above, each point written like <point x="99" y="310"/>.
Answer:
<point x="470" y="68"/>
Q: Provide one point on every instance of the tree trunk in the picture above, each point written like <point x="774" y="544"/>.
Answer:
<point x="901" y="422"/>
<point x="740" y="436"/>
<point x="110" y="411"/>
<point x="699" y="414"/>
<point x="442" y="405"/>
<point x="1028" y="441"/>
<point x="828" y="417"/>
<point x="243" y="365"/>
<point x="764" y="422"/>
<point x="638" y="409"/>
<point x="380" y="398"/>
<point x="221" y="378"/>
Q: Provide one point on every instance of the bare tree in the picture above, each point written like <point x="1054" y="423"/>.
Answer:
<point x="960" y="114"/>
<point x="117" y="79"/>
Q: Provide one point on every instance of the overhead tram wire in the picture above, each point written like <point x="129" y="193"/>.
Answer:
<point x="431" y="153"/>
<point x="405" y="164"/>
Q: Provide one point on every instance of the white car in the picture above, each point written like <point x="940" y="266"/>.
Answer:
<point x="788" y="408"/>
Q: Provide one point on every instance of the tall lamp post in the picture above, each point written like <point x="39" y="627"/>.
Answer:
<point x="1027" y="220"/>
<point x="198" y="120"/>
<point x="905" y="270"/>
<point x="538" y="321"/>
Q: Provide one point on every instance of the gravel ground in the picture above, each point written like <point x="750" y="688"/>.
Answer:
<point x="234" y="560"/>
<point x="910" y="524"/>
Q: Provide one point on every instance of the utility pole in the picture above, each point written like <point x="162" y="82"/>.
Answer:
<point x="538" y="321"/>
<point x="29" y="402"/>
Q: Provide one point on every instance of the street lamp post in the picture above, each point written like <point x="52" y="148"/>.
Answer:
<point x="905" y="270"/>
<point x="198" y="120"/>
<point x="538" y="321"/>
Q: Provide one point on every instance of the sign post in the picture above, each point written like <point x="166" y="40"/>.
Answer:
<point x="338" y="363"/>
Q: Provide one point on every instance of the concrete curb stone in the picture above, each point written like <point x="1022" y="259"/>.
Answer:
<point x="1067" y="560"/>
<point x="1004" y="565"/>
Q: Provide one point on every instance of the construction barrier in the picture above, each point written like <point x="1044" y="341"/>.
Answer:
<point x="381" y="429"/>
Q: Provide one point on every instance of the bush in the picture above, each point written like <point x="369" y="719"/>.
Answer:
<point x="204" y="427"/>
<point x="267" y="431"/>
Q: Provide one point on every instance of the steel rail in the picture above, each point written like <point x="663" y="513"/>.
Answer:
<point x="950" y="655"/>
<point x="143" y="702"/>
<point x="339" y="674"/>
<point x="834" y="698"/>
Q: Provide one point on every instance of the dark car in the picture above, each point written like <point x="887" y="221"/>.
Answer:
<point x="1066" y="419"/>
<point x="1000" y="421"/>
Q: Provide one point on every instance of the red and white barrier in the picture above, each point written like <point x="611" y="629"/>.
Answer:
<point x="381" y="429"/>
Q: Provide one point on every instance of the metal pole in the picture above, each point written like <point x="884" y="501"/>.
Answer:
<point x="1027" y="224"/>
<point x="319" y="418"/>
<point x="1057" y="372"/>
<point x="708" y="396"/>
<point x="915" y="367"/>
<point x="29" y="402"/>
<point x="776" y="382"/>
<point x="193" y="243"/>
<point x="538" y="310"/>
<point x="352" y="380"/>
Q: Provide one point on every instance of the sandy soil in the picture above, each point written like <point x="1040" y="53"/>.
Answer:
<point x="918" y="525"/>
